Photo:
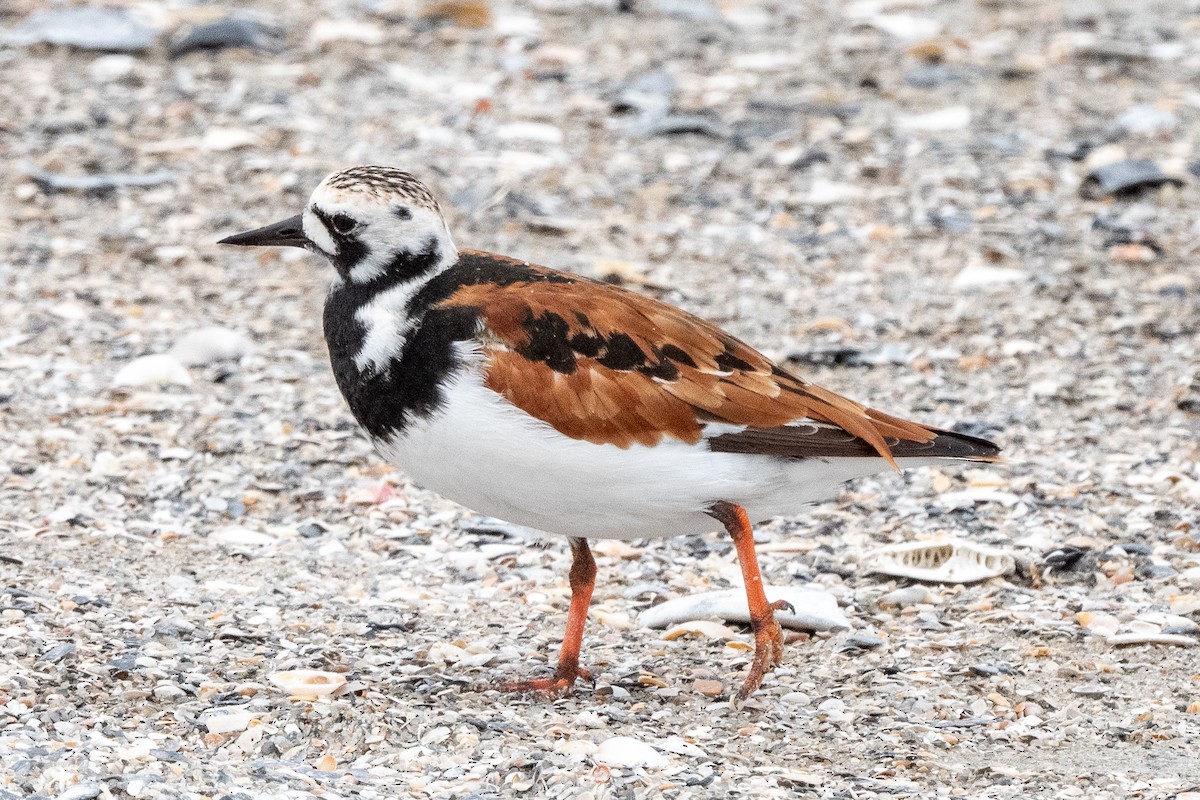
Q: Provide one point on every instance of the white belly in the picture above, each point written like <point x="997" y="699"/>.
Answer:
<point x="490" y="456"/>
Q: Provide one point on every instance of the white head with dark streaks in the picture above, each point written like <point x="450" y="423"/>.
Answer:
<point x="370" y="223"/>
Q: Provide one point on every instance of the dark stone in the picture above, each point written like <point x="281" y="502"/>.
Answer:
<point x="1125" y="178"/>
<point x="228" y="33"/>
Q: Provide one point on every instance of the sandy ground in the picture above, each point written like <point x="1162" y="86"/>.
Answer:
<point x="892" y="195"/>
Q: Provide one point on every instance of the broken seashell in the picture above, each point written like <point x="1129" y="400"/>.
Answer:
<point x="235" y="537"/>
<point x="208" y="345"/>
<point x="905" y="597"/>
<point x="230" y="721"/>
<point x="940" y="561"/>
<point x="699" y="627"/>
<point x="151" y="371"/>
<point x="1152" y="638"/>
<point x="1100" y="624"/>
<point x="308" y="684"/>
<point x="625" y="751"/>
<point x="815" y="610"/>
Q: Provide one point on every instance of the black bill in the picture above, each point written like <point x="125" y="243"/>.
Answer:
<point x="286" y="233"/>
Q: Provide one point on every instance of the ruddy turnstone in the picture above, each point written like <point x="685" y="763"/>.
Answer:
<point x="572" y="406"/>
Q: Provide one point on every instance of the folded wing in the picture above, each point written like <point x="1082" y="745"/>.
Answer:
<point x="609" y="366"/>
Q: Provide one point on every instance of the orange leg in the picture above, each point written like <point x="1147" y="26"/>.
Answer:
<point x="768" y="638"/>
<point x="583" y="580"/>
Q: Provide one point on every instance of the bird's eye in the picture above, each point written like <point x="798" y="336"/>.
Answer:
<point x="402" y="212"/>
<point x="343" y="223"/>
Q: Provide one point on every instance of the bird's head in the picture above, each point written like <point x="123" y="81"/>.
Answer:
<point x="370" y="222"/>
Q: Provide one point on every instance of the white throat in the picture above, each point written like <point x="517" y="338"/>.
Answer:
<point x="387" y="324"/>
<point x="385" y="318"/>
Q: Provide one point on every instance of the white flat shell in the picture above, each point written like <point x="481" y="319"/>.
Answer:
<point x="815" y="610"/>
<point x="1122" y="639"/>
<point x="229" y="721"/>
<point x="625" y="751"/>
<point x="208" y="345"/>
<point x="308" y="684"/>
<point x="153" y="370"/>
<point x="940" y="561"/>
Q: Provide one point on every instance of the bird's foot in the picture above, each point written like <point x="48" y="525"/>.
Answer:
<point x="560" y="684"/>
<point x="768" y="650"/>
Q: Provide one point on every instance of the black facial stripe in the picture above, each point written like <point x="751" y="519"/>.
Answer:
<point x="351" y="250"/>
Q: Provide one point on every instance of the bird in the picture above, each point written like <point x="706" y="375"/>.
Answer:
<point x="572" y="406"/>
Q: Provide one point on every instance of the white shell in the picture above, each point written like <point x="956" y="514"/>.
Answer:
<point x="680" y="747"/>
<point x="1121" y="639"/>
<point x="944" y="119"/>
<point x="625" y="751"/>
<point x="153" y="371"/>
<point x="815" y="610"/>
<point x="905" y="597"/>
<point x="308" y="684"/>
<point x="700" y="627"/>
<point x="940" y="561"/>
<point x="230" y="721"/>
<point x="984" y="277"/>
<point x="206" y="345"/>
<point x="241" y="537"/>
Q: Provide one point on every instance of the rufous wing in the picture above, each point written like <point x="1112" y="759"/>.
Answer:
<point x="606" y="365"/>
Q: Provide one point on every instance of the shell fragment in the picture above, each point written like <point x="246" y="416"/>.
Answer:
<point x="815" y="610"/>
<point x="308" y="684"/>
<point x="940" y="561"/>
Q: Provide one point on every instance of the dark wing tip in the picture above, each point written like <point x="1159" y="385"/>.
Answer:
<point x="949" y="444"/>
<point x="809" y="440"/>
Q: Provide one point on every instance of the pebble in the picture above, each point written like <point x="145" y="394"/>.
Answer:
<point x="1191" y="577"/>
<point x="814" y="609"/>
<point x="710" y="688"/>
<point x="676" y="124"/>
<point x="1127" y="177"/>
<point x="232" y="32"/>
<point x="907" y="596"/>
<point x="977" y="494"/>
<point x="954" y="118"/>
<point x="907" y="27"/>
<point x="209" y="345"/>
<point x="219" y="139"/>
<point x="1145" y="121"/>
<point x="84" y="790"/>
<point x="629" y="753"/>
<point x="240" y="537"/>
<point x="530" y="132"/>
<point x="327" y="32"/>
<point x="828" y="193"/>
<point x="977" y="277"/>
<point x="649" y="93"/>
<point x="112" y="68"/>
<point x="86" y="28"/>
<point x="153" y="370"/>
<point x="169" y="692"/>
